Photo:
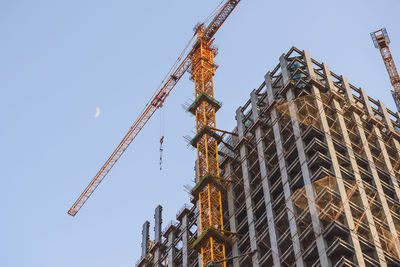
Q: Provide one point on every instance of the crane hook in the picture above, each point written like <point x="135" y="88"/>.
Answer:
<point x="161" y="150"/>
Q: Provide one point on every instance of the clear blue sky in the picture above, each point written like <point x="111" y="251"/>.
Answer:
<point x="61" y="59"/>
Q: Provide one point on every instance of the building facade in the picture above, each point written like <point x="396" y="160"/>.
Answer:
<point x="311" y="177"/>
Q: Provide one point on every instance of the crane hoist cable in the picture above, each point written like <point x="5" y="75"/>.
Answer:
<point x="162" y="130"/>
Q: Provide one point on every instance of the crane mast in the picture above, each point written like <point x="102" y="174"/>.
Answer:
<point x="381" y="41"/>
<point x="204" y="108"/>
<point x="211" y="241"/>
<point x="199" y="61"/>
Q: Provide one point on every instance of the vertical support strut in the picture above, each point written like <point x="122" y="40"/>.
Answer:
<point x="210" y="241"/>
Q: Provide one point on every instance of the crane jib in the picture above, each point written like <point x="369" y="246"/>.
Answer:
<point x="220" y="18"/>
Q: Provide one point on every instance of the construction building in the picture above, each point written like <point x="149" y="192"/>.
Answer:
<point x="310" y="177"/>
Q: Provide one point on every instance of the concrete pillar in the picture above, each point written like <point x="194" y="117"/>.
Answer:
<point x="145" y="238"/>
<point x="232" y="217"/>
<point x="185" y="239"/>
<point x="396" y="144"/>
<point x="284" y="69"/>
<point x="317" y="228"/>
<point x="171" y="251"/>
<point x="348" y="93"/>
<point x="265" y="183"/>
<point x="157" y="235"/>
<point x="157" y="257"/>
<point x="247" y="192"/>
<point x="157" y="224"/>
<point x="283" y="170"/>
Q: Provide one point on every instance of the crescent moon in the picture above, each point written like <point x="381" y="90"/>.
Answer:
<point x="97" y="112"/>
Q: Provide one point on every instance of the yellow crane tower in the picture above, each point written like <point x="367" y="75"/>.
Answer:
<point x="199" y="62"/>
<point x="381" y="41"/>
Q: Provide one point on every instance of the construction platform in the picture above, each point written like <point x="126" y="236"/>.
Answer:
<point x="310" y="178"/>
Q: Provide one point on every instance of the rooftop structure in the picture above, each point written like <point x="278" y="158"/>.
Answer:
<point x="310" y="177"/>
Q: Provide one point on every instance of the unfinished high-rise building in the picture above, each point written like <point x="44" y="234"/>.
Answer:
<point x="310" y="177"/>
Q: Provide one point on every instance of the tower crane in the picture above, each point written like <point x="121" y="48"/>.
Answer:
<point x="381" y="41"/>
<point x="199" y="62"/>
